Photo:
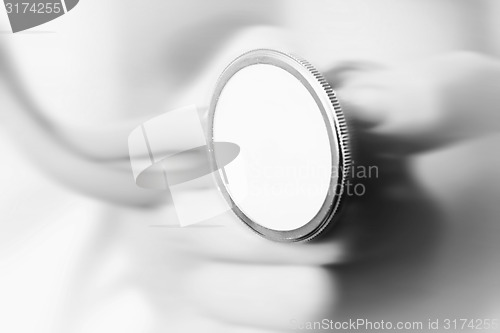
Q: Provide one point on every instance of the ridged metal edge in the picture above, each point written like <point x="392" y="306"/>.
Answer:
<point x="342" y="135"/>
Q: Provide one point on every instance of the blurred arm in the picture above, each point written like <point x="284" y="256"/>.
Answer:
<point x="96" y="161"/>
<point x="109" y="179"/>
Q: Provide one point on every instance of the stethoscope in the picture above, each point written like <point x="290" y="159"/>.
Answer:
<point x="275" y="149"/>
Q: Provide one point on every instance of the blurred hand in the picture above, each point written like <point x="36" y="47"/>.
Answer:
<point x="388" y="235"/>
<point x="421" y="106"/>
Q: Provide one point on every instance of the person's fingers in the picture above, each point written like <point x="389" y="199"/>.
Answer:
<point x="262" y="296"/>
<point x="224" y="238"/>
<point x="353" y="83"/>
<point x="394" y="109"/>
<point x="365" y="106"/>
<point x="343" y="72"/>
<point x="391" y="228"/>
<point x="421" y="106"/>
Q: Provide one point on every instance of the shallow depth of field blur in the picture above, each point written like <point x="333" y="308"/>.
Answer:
<point x="72" y="260"/>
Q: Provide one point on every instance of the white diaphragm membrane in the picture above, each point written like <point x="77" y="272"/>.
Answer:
<point x="275" y="121"/>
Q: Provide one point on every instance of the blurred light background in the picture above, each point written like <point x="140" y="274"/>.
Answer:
<point x="109" y="61"/>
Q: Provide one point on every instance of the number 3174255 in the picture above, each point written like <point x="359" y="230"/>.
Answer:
<point x="33" y="8"/>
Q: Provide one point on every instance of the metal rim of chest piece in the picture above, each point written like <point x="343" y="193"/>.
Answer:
<point x="336" y="126"/>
